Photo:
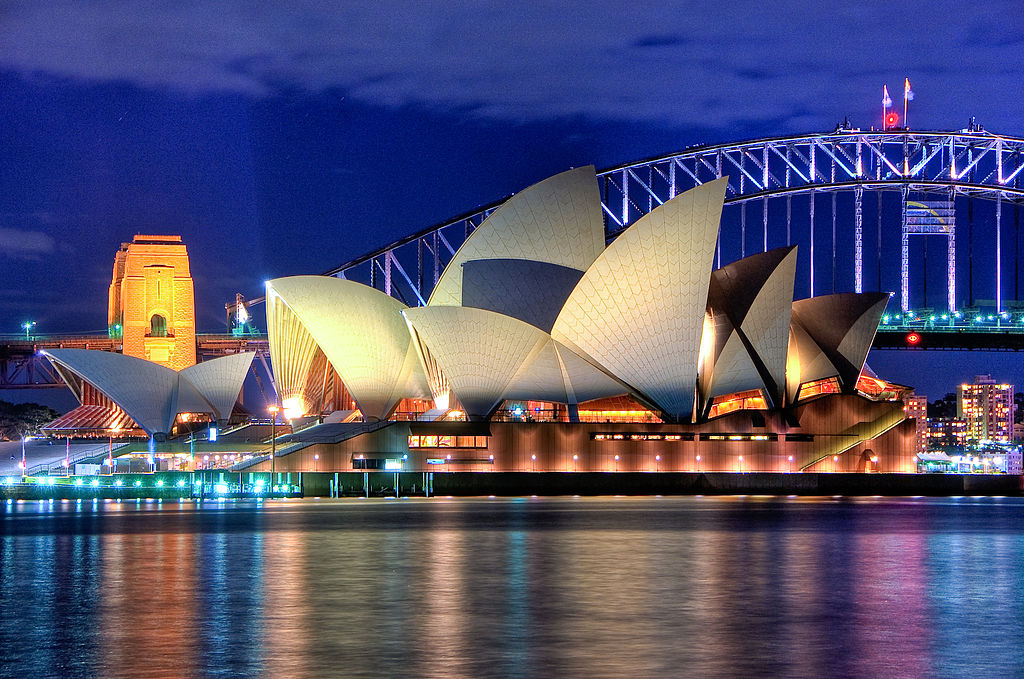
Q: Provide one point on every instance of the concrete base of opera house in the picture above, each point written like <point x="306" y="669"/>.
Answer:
<point x="218" y="485"/>
<point x="508" y="484"/>
<point x="834" y="433"/>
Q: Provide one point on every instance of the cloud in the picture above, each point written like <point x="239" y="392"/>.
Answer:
<point x="23" y="244"/>
<point x="690" y="63"/>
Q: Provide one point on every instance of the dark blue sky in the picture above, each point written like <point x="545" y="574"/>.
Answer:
<point x="288" y="141"/>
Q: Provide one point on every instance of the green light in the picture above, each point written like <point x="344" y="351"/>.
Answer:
<point x="160" y="483"/>
<point x="138" y="483"/>
<point x="95" y="483"/>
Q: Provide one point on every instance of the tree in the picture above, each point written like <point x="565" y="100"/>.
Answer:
<point x="23" y="419"/>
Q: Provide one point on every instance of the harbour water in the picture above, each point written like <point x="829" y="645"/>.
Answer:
<point x="531" y="587"/>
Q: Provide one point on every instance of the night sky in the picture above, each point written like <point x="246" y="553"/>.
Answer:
<point x="280" y="142"/>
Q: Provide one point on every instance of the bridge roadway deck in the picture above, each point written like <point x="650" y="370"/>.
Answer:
<point x="21" y="367"/>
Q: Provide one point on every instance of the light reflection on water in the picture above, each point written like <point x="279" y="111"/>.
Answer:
<point x="600" y="587"/>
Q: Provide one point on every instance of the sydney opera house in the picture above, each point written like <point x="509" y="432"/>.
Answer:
<point x="545" y="348"/>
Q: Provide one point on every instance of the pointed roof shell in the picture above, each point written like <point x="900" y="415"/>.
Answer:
<point x="558" y="220"/>
<point x="362" y="333"/>
<point x="150" y="393"/>
<point x="220" y="380"/>
<point x="638" y="311"/>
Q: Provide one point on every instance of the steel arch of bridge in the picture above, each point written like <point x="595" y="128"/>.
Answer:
<point x="975" y="164"/>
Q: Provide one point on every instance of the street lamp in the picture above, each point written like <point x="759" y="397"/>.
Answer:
<point x="533" y="461"/>
<point x="24" y="467"/>
<point x="273" y="441"/>
<point x="616" y="463"/>
<point x="316" y="456"/>
<point x="28" y="325"/>
<point x="790" y="464"/>
<point x="698" y="463"/>
<point x="657" y="458"/>
<point x="574" y="458"/>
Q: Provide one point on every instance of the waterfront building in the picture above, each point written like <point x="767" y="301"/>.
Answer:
<point x="916" y="408"/>
<point x="946" y="432"/>
<point x="542" y="348"/>
<point x="987" y="407"/>
<point x="564" y="354"/>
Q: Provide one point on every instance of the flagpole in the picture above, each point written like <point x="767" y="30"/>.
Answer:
<point x="906" y="91"/>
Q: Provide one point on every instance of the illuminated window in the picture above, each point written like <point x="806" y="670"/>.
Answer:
<point x="739" y="437"/>
<point x="829" y="385"/>
<point x="431" y="441"/>
<point x="744" y="400"/>
<point x="158" y="326"/>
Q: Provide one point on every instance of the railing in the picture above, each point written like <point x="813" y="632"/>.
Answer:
<point x="89" y="453"/>
<point x="287" y="447"/>
<point x="965" y="320"/>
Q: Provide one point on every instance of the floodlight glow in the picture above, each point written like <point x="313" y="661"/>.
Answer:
<point x="95" y="483"/>
<point x="220" y="488"/>
<point x="293" y="407"/>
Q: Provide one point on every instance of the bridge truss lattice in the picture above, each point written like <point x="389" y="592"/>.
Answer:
<point x="939" y="165"/>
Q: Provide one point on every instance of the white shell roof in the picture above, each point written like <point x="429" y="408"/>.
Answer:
<point x="558" y="220"/>
<point x="220" y="380"/>
<point x="557" y="374"/>
<point x="479" y="351"/>
<point x="639" y="309"/>
<point x="831" y="336"/>
<point x="150" y="393"/>
<point x="806" y="362"/>
<point x="362" y="333"/>
<point x="765" y="324"/>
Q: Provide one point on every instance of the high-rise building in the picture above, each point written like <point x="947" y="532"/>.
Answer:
<point x="152" y="304"/>
<point x="987" y="408"/>
<point x="916" y="408"/>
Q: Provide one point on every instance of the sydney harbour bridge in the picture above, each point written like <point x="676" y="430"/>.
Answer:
<point x="863" y="207"/>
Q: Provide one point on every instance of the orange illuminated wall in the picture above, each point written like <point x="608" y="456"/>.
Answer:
<point x="152" y="303"/>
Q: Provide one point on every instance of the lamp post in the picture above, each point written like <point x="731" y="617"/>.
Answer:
<point x="533" y="461"/>
<point x="698" y="463"/>
<point x="316" y="457"/>
<point x="28" y="327"/>
<point x="790" y="464"/>
<point x="574" y="458"/>
<point x="273" y="441"/>
<point x="24" y="467"/>
<point x="616" y="463"/>
<point x="657" y="459"/>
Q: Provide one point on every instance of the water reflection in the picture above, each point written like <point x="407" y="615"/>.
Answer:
<point x="611" y="587"/>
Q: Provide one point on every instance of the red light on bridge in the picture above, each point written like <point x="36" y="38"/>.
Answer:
<point x="892" y="119"/>
<point x="913" y="339"/>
